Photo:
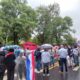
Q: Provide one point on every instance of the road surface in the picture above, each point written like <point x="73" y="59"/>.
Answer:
<point x="55" y="75"/>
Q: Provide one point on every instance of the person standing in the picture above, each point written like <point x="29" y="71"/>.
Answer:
<point x="79" y="52"/>
<point x="63" y="58"/>
<point x="37" y="55"/>
<point x="52" y="52"/>
<point x="17" y="52"/>
<point x="20" y="62"/>
<point x="2" y="65"/>
<point x="10" y="64"/>
<point x="45" y="57"/>
<point x="70" y="56"/>
<point x="76" y="56"/>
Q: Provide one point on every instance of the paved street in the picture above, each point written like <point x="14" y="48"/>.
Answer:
<point x="55" y="75"/>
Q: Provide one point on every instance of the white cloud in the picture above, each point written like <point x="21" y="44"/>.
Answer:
<point x="68" y="8"/>
<point x="67" y="5"/>
<point x="64" y="4"/>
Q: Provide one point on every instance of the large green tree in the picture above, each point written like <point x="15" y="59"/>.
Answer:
<point x="51" y="26"/>
<point x="61" y="26"/>
<point x="17" y="20"/>
<point x="45" y="17"/>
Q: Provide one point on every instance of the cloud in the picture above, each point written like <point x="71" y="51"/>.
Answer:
<point x="74" y="13"/>
<point x="68" y="8"/>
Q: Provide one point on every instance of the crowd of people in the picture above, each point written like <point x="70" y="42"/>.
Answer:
<point x="67" y="56"/>
<point x="12" y="64"/>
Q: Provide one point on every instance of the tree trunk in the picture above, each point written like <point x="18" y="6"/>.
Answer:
<point x="15" y="37"/>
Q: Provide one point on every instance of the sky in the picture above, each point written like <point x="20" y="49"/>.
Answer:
<point x="68" y="8"/>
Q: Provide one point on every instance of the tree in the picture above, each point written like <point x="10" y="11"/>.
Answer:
<point x="45" y="17"/>
<point x="61" y="27"/>
<point x="52" y="27"/>
<point x="17" y="20"/>
<point x="69" y="39"/>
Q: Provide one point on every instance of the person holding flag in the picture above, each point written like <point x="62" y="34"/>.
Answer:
<point x="30" y="66"/>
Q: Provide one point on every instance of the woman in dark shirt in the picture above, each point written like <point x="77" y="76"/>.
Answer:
<point x="10" y="64"/>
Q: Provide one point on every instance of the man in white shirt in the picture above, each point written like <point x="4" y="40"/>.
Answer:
<point x="63" y="58"/>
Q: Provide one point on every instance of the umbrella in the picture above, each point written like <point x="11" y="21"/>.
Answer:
<point x="15" y="47"/>
<point x="29" y="45"/>
<point x="10" y="46"/>
<point x="46" y="46"/>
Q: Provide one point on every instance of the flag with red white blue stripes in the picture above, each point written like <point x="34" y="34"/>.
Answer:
<point x="30" y="67"/>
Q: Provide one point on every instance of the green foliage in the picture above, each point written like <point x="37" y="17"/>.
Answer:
<point x="17" y="20"/>
<point x="69" y="39"/>
<point x="45" y="18"/>
<point x="51" y="27"/>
